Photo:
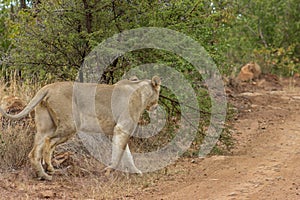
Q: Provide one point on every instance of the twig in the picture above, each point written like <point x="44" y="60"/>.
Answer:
<point x="176" y="102"/>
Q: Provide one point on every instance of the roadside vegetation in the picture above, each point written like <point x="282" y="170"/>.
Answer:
<point x="46" y="41"/>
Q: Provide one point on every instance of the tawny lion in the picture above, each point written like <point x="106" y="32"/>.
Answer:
<point x="60" y="113"/>
<point x="249" y="72"/>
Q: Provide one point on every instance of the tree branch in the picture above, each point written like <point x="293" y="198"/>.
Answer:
<point x="261" y="36"/>
<point x="176" y="102"/>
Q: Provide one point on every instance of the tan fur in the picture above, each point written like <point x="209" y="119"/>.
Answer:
<point x="59" y="115"/>
<point x="250" y="71"/>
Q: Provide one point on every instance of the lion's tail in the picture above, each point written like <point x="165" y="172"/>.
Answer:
<point x="30" y="106"/>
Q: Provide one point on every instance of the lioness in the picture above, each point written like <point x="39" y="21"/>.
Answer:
<point x="59" y="114"/>
<point x="249" y="72"/>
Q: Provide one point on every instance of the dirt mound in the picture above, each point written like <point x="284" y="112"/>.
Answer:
<point x="268" y="82"/>
<point x="240" y="94"/>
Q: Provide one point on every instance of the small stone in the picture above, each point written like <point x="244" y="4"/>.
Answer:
<point x="47" y="194"/>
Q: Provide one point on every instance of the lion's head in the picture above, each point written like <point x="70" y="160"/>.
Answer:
<point x="131" y="97"/>
<point x="249" y="72"/>
<point x="153" y="98"/>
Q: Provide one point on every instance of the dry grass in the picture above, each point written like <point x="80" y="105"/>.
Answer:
<point x="17" y="185"/>
<point x="16" y="143"/>
<point x="16" y="138"/>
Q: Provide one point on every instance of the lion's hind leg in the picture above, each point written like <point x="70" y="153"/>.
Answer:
<point x="45" y="128"/>
<point x="47" y="155"/>
<point x="49" y="148"/>
<point x="36" y="158"/>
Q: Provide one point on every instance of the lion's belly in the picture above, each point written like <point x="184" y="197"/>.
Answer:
<point x="107" y="125"/>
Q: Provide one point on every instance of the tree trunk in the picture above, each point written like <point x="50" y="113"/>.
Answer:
<point x="23" y="4"/>
<point x="88" y="16"/>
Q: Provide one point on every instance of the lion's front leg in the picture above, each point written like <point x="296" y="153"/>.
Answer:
<point x="129" y="162"/>
<point x="119" y="142"/>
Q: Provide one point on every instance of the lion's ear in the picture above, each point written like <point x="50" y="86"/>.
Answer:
<point x="156" y="81"/>
<point x="133" y="78"/>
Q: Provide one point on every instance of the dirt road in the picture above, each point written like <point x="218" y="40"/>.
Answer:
<point x="265" y="163"/>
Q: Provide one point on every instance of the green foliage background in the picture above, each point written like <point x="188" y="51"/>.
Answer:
<point x="46" y="41"/>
